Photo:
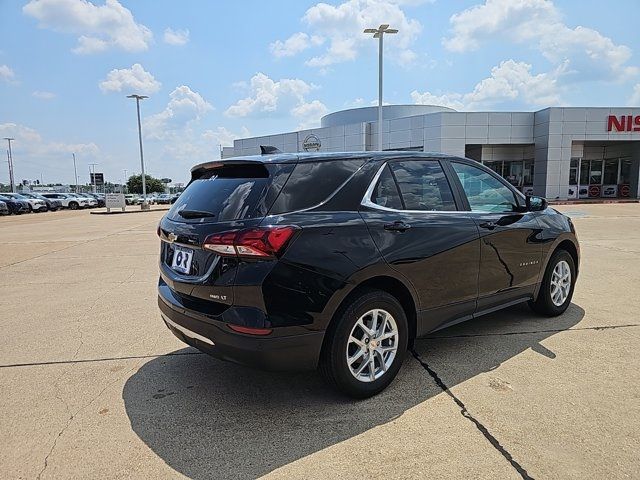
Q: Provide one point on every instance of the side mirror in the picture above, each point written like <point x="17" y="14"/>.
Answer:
<point x="536" y="204"/>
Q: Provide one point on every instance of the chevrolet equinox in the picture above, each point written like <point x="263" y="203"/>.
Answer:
<point x="338" y="261"/>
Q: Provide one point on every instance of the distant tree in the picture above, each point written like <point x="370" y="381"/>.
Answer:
<point x="134" y="184"/>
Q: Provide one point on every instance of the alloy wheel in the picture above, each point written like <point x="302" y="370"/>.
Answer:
<point x="372" y="345"/>
<point x="560" y="283"/>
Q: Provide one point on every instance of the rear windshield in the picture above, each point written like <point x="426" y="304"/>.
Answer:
<point x="230" y="192"/>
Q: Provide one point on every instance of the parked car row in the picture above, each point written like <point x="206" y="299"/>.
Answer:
<point x="153" y="199"/>
<point x="27" y="202"/>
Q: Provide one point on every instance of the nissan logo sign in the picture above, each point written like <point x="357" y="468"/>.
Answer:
<point x="311" y="143"/>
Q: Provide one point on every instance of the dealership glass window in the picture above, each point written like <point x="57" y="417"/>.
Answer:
<point x="527" y="173"/>
<point x="573" y="171"/>
<point x="584" y="172"/>
<point x="610" y="176"/>
<point x="595" y="175"/>
<point x="518" y="173"/>
<point x="625" y="171"/>
<point x="496" y="167"/>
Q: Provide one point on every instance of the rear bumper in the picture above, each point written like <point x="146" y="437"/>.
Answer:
<point x="289" y="353"/>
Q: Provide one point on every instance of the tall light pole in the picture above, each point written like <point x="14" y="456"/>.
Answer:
<point x="379" y="34"/>
<point x="10" y="158"/>
<point x="125" y="181"/>
<point x="145" y="205"/>
<point x="75" y="171"/>
<point x="93" y="177"/>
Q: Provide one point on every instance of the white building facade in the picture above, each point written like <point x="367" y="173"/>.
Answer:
<point x="558" y="152"/>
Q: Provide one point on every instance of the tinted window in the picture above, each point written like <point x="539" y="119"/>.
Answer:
<point x="312" y="183"/>
<point x="423" y="185"/>
<point x="386" y="192"/>
<point x="484" y="192"/>
<point x="231" y="192"/>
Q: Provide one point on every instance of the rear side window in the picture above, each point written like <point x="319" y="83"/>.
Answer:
<point x="230" y="192"/>
<point x="386" y="192"/>
<point x="423" y="185"/>
<point x="312" y="183"/>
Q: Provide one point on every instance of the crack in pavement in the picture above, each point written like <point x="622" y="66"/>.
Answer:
<point x="530" y="332"/>
<point x="471" y="335"/>
<point x="466" y="414"/>
<point x="106" y="359"/>
<point x="80" y="410"/>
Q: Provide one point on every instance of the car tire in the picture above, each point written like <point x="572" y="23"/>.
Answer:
<point x="340" y="342"/>
<point x="556" y="289"/>
<point x="73" y="205"/>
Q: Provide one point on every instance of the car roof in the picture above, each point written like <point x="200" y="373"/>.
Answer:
<point x="303" y="157"/>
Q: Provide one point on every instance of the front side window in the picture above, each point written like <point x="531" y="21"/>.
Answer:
<point x="423" y="185"/>
<point x="484" y="192"/>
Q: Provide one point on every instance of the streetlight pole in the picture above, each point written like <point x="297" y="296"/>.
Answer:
<point x="145" y="205"/>
<point x="10" y="155"/>
<point x="379" y="34"/>
<point x="125" y="181"/>
<point x="75" y="171"/>
<point x="93" y="177"/>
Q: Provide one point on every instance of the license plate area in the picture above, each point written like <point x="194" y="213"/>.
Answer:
<point x="182" y="258"/>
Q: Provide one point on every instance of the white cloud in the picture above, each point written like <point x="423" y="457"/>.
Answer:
<point x="7" y="74"/>
<point x="510" y="81"/>
<point x="635" y="96"/>
<point x="539" y="23"/>
<point x="176" y="37"/>
<point x="451" y="100"/>
<point x="343" y="26"/>
<point x="309" y="114"/>
<point x="42" y="95"/>
<point x="134" y="80"/>
<point x="29" y="142"/>
<point x="185" y="107"/>
<point x="223" y="136"/>
<point x="296" y="43"/>
<point x="99" y="27"/>
<point x="267" y="95"/>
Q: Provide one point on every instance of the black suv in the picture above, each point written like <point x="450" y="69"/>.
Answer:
<point x="338" y="261"/>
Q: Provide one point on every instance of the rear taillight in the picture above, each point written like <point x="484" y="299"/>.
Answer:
<point x="251" y="242"/>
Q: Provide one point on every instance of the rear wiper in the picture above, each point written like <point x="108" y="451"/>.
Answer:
<point x="195" y="214"/>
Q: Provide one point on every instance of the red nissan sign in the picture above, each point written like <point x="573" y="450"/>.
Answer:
<point x="623" y="123"/>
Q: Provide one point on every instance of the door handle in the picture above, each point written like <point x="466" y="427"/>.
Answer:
<point x="488" y="225"/>
<point x="397" y="226"/>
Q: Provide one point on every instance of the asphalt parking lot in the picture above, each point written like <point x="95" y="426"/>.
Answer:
<point x="95" y="386"/>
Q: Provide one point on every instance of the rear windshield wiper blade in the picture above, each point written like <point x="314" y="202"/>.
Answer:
<point x="195" y="214"/>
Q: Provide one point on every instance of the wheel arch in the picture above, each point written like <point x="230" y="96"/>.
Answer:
<point x="566" y="243"/>
<point x="391" y="285"/>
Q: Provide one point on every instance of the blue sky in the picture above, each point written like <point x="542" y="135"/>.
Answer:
<point x="218" y="70"/>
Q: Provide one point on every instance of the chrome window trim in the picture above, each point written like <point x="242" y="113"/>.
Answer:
<point x="367" y="202"/>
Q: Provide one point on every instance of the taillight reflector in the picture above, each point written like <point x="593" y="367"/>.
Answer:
<point x="252" y="242"/>
<point x="250" y="330"/>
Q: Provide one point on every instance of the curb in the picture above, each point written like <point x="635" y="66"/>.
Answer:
<point x="120" y="212"/>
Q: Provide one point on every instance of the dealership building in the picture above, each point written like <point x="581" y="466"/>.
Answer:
<point x="558" y="152"/>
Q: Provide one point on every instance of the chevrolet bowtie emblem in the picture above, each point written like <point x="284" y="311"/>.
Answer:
<point x="172" y="237"/>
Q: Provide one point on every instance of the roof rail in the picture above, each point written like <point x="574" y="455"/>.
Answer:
<point x="268" y="150"/>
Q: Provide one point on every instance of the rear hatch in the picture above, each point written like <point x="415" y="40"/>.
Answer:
<point x="221" y="197"/>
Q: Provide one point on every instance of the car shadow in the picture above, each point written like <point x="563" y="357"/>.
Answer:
<point x="210" y="419"/>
